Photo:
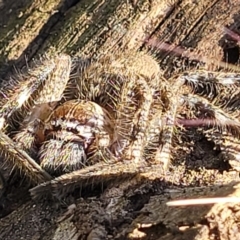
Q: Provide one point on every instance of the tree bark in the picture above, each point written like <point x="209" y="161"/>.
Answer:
<point x="179" y="33"/>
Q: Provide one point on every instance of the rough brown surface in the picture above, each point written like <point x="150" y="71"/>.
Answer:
<point x="181" y="34"/>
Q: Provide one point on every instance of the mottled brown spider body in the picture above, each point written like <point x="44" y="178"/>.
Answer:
<point x="98" y="114"/>
<point x="109" y="117"/>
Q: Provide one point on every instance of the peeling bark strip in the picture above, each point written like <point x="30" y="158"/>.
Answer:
<point x="92" y="28"/>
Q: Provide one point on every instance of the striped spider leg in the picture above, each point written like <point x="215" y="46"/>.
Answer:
<point x="213" y="103"/>
<point x="30" y="97"/>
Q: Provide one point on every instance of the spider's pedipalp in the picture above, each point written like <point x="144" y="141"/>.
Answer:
<point x="45" y="101"/>
<point x="58" y="156"/>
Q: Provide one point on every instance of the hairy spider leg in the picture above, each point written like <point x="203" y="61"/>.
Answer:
<point x="216" y="110"/>
<point x="29" y="89"/>
<point x="99" y="173"/>
<point x="48" y="96"/>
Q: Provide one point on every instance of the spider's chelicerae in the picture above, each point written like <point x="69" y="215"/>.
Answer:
<point x="79" y="119"/>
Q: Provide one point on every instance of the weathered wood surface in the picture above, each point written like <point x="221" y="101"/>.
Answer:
<point x="92" y="28"/>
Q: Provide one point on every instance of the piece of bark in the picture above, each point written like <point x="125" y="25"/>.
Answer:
<point x="136" y="215"/>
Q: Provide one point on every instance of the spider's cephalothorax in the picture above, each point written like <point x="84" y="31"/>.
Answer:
<point x="117" y="109"/>
<point x="76" y="131"/>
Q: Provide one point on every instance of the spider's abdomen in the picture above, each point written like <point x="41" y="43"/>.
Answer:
<point x="74" y="134"/>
